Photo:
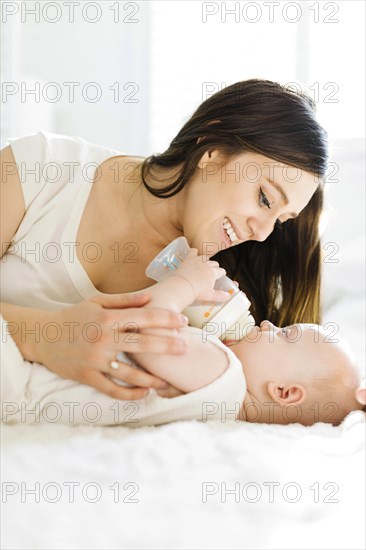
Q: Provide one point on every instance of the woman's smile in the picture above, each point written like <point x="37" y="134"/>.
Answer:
<point x="225" y="233"/>
<point x="223" y="236"/>
<point x="231" y="232"/>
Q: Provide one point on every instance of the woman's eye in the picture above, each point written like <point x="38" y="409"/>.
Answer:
<point x="263" y="199"/>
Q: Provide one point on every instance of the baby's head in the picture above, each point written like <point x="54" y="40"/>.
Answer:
<point x="297" y="374"/>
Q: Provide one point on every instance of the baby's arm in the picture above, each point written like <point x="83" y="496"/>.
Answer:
<point x="203" y="362"/>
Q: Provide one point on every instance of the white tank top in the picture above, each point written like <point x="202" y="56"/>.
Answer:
<point x="41" y="268"/>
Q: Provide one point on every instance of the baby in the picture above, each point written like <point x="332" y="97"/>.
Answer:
<point x="272" y="375"/>
<point x="292" y="374"/>
<point x="299" y="372"/>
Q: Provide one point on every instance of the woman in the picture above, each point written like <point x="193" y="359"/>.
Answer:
<point x="242" y="181"/>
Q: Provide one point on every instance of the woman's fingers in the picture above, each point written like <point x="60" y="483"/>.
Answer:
<point x="171" y="391"/>
<point x="103" y="384"/>
<point x="146" y="318"/>
<point x="84" y="357"/>
<point x="133" y="313"/>
<point x="137" y="377"/>
<point x="137" y="342"/>
<point x="121" y="300"/>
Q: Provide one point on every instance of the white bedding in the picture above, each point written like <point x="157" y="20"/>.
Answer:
<point x="167" y="466"/>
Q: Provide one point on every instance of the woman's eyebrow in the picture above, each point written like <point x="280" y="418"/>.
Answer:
<point x="282" y="193"/>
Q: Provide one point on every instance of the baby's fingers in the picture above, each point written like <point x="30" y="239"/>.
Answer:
<point x="216" y="296"/>
<point x="219" y="272"/>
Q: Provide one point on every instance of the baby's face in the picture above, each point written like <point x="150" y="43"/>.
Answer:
<point x="269" y="353"/>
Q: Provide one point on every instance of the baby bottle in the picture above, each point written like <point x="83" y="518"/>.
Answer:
<point x="230" y="320"/>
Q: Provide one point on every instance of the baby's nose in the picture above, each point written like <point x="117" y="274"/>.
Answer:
<point x="266" y="325"/>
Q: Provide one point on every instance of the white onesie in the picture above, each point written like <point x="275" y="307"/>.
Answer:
<point x="41" y="270"/>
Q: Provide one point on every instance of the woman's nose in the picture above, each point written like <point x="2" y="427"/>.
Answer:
<point x="263" y="229"/>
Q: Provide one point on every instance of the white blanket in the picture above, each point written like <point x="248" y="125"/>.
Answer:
<point x="165" y="487"/>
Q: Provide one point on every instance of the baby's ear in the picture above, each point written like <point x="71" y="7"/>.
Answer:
<point x="290" y="394"/>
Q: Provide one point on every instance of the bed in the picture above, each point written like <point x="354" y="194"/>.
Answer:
<point x="191" y="484"/>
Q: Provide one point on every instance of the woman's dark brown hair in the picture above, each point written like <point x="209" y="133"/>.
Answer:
<point x="282" y="275"/>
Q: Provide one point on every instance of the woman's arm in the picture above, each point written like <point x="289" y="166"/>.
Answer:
<point x="12" y="206"/>
<point x="25" y="326"/>
<point x="203" y="362"/>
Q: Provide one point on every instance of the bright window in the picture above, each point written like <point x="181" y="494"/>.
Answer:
<point x="199" y="47"/>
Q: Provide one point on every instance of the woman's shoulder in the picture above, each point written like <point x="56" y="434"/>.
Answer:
<point x="43" y="146"/>
<point x="75" y="148"/>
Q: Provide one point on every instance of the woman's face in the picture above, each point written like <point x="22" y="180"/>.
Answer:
<point x="243" y="197"/>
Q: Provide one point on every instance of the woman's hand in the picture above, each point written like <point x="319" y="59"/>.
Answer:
<point x="202" y="274"/>
<point x="79" y="342"/>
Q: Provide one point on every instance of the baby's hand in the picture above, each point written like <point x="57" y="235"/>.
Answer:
<point x="361" y="392"/>
<point x="202" y="274"/>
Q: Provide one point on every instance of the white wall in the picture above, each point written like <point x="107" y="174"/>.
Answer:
<point x="345" y="193"/>
<point x="170" y="50"/>
<point x="344" y="235"/>
<point x="105" y="52"/>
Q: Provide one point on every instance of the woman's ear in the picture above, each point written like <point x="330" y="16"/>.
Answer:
<point x="290" y="394"/>
<point x="206" y="157"/>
